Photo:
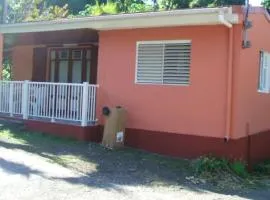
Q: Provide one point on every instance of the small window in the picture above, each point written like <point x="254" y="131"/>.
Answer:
<point x="264" y="84"/>
<point x="53" y="55"/>
<point x="76" y="54"/>
<point x="63" y="54"/>
<point x="166" y="62"/>
<point x="88" y="54"/>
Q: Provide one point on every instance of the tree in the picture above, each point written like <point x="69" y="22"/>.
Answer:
<point x="266" y="4"/>
<point x="100" y="9"/>
<point x="75" y="6"/>
<point x="114" y="7"/>
<point x="49" y="13"/>
<point x="31" y="10"/>
<point x="19" y="10"/>
<point x="172" y="4"/>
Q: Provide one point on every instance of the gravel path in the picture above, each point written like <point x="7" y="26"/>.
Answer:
<point x="28" y="176"/>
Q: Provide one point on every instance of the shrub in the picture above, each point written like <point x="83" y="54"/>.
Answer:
<point x="214" y="165"/>
<point x="239" y="168"/>
<point x="210" y="164"/>
<point x="262" y="168"/>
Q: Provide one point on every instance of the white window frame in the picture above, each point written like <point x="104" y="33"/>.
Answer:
<point x="158" y="42"/>
<point x="261" y="70"/>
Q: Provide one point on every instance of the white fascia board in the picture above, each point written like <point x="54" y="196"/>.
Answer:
<point x="188" y="17"/>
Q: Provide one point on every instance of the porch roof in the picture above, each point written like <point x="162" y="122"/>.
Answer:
<point x="185" y="17"/>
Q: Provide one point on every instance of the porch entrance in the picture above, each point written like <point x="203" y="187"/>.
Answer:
<point x="62" y="76"/>
<point x="70" y="65"/>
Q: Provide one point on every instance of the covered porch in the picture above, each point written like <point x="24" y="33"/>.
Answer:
<point x="53" y="77"/>
<point x="72" y="103"/>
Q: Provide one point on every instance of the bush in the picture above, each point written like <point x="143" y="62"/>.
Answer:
<point x="210" y="164"/>
<point x="262" y="168"/>
<point x="214" y="165"/>
<point x="239" y="168"/>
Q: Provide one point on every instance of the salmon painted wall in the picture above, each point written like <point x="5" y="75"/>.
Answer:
<point x="22" y="58"/>
<point x="251" y="108"/>
<point x="197" y="109"/>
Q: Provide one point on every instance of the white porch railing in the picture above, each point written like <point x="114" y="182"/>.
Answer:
<point x="52" y="101"/>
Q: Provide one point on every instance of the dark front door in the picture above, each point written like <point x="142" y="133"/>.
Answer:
<point x="39" y="64"/>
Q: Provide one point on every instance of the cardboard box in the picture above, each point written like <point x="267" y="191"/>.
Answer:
<point x="114" y="128"/>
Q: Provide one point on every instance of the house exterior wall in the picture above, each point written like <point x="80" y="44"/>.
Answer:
<point x="198" y="109"/>
<point x="251" y="108"/>
<point x="22" y="58"/>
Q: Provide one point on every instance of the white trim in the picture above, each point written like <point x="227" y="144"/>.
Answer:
<point x="224" y="21"/>
<point x="264" y="91"/>
<point x="185" y="17"/>
<point x="264" y="55"/>
<point x="163" y="84"/>
<point x="136" y="62"/>
<point x="163" y="42"/>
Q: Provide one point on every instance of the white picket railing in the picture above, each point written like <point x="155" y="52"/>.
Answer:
<point x="44" y="100"/>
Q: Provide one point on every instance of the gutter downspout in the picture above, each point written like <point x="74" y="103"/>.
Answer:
<point x="228" y="122"/>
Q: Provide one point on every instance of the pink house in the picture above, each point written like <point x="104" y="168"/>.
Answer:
<point x="193" y="81"/>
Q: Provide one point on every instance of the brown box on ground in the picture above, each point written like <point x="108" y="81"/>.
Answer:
<point x="114" y="128"/>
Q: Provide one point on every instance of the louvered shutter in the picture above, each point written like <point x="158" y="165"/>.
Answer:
<point x="149" y="63"/>
<point x="163" y="63"/>
<point x="176" y="63"/>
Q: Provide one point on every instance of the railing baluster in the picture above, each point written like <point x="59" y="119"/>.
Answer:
<point x="94" y="104"/>
<point x="25" y="99"/>
<point x="11" y="88"/>
<point x="54" y="101"/>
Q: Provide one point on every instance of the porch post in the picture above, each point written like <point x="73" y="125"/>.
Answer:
<point x="25" y="99"/>
<point x="84" y="104"/>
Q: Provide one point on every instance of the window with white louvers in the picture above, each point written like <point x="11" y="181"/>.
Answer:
<point x="264" y="81"/>
<point x="166" y="62"/>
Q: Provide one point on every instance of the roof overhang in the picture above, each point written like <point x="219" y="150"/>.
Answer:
<point x="187" y="17"/>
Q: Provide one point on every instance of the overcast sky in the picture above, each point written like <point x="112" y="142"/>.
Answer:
<point x="255" y="2"/>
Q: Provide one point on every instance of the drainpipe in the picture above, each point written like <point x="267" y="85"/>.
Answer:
<point x="228" y="122"/>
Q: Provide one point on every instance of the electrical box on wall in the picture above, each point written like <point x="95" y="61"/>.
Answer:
<point x="246" y="44"/>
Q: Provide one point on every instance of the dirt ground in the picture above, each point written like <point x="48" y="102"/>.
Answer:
<point x="37" y="166"/>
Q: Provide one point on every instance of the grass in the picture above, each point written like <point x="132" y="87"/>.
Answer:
<point x="92" y="159"/>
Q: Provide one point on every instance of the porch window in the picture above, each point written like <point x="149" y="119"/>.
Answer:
<point x="264" y="82"/>
<point x="70" y="65"/>
<point x="163" y="62"/>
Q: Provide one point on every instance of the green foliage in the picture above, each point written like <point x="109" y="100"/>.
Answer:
<point x="31" y="10"/>
<point x="214" y="3"/>
<point x="6" y="73"/>
<point x="115" y="7"/>
<point x="262" y="168"/>
<point x="74" y="5"/>
<point x="172" y="4"/>
<point x="100" y="9"/>
<point x="266" y="3"/>
<point x="214" y="165"/>
<point x="210" y="164"/>
<point x="49" y="13"/>
<point x="239" y="168"/>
